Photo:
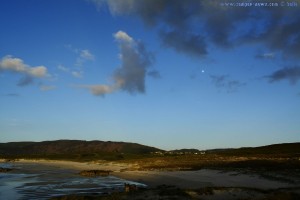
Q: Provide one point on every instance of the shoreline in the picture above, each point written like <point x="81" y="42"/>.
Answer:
<point x="153" y="178"/>
<point x="100" y="165"/>
<point x="201" y="179"/>
<point x="204" y="184"/>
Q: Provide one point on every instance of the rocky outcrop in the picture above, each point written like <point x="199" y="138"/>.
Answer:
<point x="92" y="173"/>
<point x="130" y="187"/>
<point x="10" y="160"/>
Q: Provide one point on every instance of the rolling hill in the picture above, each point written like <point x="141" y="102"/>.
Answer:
<point x="72" y="147"/>
<point x="278" y="149"/>
<point x="93" y="150"/>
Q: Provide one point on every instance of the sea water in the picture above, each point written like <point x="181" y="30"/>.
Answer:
<point x="34" y="181"/>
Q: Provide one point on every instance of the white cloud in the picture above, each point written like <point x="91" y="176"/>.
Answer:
<point x="123" y="36"/>
<point x="39" y="71"/>
<point x="9" y="63"/>
<point x="131" y="75"/>
<point x="17" y="65"/>
<point x="12" y="64"/>
<point x="99" y="90"/>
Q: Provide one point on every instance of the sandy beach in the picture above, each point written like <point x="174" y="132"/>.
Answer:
<point x="100" y="165"/>
<point x="43" y="179"/>
<point x="201" y="178"/>
<point x="182" y="179"/>
<point x="190" y="184"/>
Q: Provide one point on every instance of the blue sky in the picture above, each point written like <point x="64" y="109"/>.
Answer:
<point x="170" y="74"/>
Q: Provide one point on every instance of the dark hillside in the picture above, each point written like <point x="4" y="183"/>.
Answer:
<point x="274" y="149"/>
<point x="72" y="147"/>
<point x="99" y="150"/>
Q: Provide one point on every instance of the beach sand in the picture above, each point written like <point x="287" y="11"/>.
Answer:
<point x="201" y="178"/>
<point x="101" y="165"/>
<point x="182" y="179"/>
<point x="236" y="183"/>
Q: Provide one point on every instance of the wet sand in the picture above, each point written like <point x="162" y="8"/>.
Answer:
<point x="236" y="184"/>
<point x="182" y="179"/>
<point x="201" y="178"/>
<point x="41" y="179"/>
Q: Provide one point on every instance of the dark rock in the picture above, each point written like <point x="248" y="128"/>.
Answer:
<point x="130" y="187"/>
<point x="10" y="160"/>
<point x="4" y="170"/>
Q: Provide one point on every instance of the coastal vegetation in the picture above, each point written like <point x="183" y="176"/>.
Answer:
<point x="272" y="157"/>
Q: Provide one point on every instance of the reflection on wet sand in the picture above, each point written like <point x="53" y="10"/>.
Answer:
<point x="34" y="181"/>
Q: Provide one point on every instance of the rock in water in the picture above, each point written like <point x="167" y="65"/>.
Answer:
<point x="130" y="187"/>
<point x="4" y="170"/>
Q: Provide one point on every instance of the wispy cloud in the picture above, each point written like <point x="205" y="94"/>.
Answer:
<point x="99" y="90"/>
<point x="86" y="54"/>
<point x="83" y="55"/>
<point x="12" y="95"/>
<point x="265" y="56"/>
<point x="76" y="74"/>
<point x="47" y="87"/>
<point x="154" y="74"/>
<point x="63" y="68"/>
<point x="292" y="74"/>
<point x="224" y="82"/>
<point x="131" y="75"/>
<point x="17" y="65"/>
<point x="25" y="80"/>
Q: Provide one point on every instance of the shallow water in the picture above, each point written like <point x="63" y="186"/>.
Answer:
<point x="34" y="181"/>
